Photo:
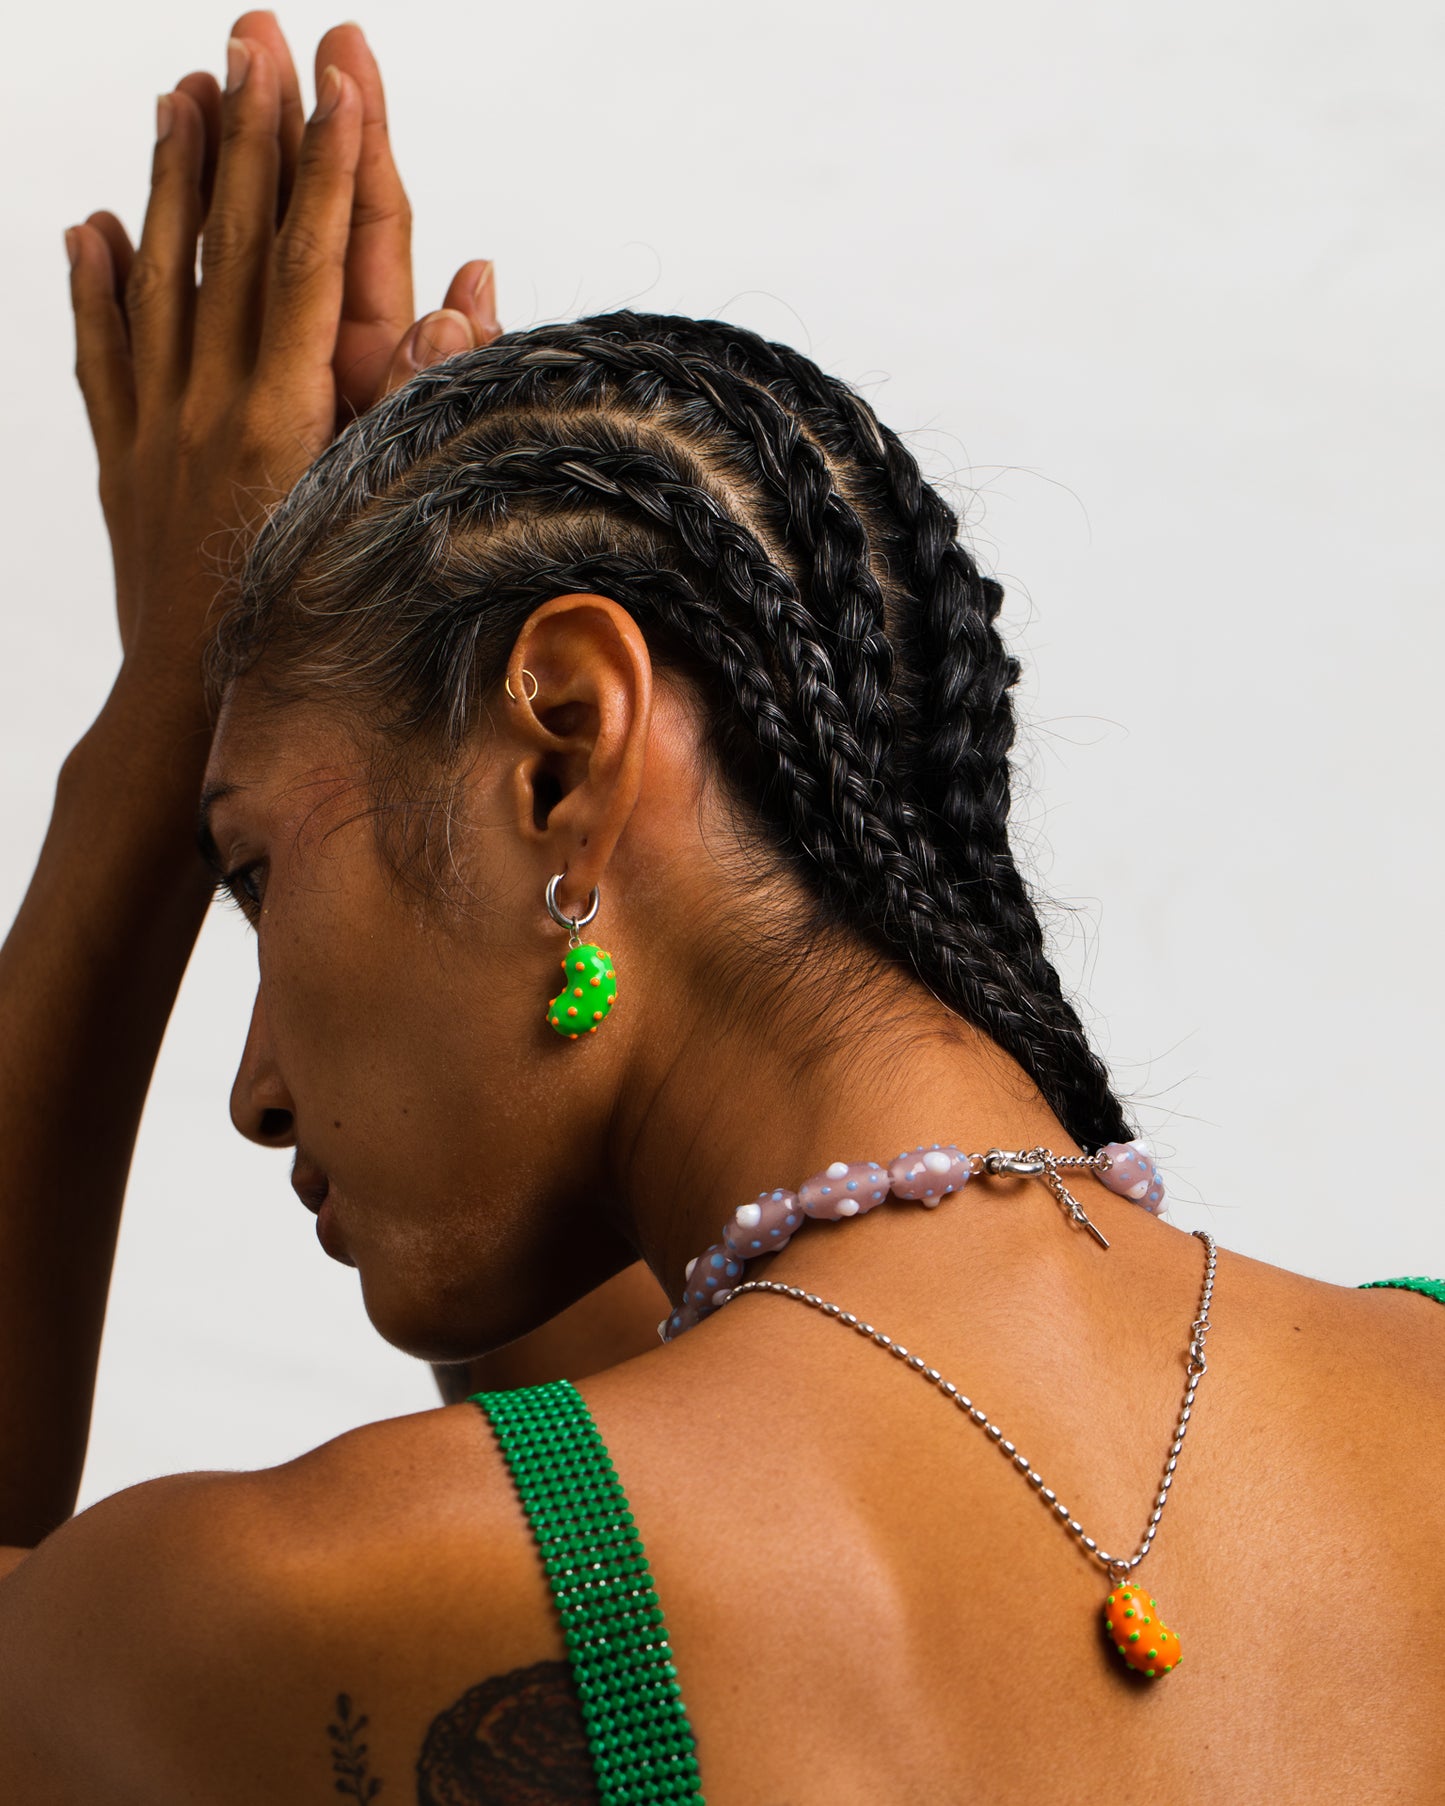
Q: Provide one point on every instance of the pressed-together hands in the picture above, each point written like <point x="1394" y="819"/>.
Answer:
<point x="207" y="399"/>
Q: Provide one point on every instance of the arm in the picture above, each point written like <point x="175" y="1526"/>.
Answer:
<point x="87" y="978"/>
<point x="184" y="421"/>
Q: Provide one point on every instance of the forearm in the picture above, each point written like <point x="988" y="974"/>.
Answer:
<point x="612" y="1324"/>
<point x="88" y="977"/>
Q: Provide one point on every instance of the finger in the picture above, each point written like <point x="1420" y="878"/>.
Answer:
<point x="205" y="90"/>
<point x="434" y="337"/>
<point x="262" y="26"/>
<point x="102" y="351"/>
<point x="241" y="225"/>
<point x="473" y="292"/>
<point x="160" y="286"/>
<point x="298" y="340"/>
<point x="378" y="306"/>
<point x="122" y="251"/>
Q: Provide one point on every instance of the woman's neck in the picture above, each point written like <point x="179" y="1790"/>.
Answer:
<point x="708" y="1132"/>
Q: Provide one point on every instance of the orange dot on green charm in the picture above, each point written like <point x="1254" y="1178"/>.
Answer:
<point x="1154" y="1657"/>
<point x="576" y="1010"/>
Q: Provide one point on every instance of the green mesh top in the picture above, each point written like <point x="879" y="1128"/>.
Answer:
<point x="637" y="1726"/>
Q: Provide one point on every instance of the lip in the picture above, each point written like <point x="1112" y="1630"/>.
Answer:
<point x="313" y="1187"/>
<point x="310" y="1184"/>
<point x="329" y="1235"/>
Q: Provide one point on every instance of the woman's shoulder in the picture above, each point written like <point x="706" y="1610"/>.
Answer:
<point x="356" y="1611"/>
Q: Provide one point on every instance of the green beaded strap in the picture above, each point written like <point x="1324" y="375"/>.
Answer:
<point x="642" y="1744"/>
<point x="1432" y="1288"/>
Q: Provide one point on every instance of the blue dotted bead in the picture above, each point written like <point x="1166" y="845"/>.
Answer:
<point x="844" y="1189"/>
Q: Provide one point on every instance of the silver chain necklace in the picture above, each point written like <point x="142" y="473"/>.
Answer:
<point x="1146" y="1645"/>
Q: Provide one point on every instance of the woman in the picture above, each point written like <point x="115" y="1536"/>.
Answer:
<point x="643" y="620"/>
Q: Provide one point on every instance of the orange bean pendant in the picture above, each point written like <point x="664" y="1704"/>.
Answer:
<point x="1137" y="1632"/>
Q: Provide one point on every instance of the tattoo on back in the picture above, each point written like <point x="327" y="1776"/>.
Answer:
<point x="348" y="1753"/>
<point x="517" y="1739"/>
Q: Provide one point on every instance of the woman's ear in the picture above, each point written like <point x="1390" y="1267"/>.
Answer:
<point x="578" y="725"/>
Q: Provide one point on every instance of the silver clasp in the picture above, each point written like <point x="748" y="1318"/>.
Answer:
<point x="996" y="1160"/>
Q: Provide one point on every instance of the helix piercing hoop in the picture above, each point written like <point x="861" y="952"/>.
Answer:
<point x="535" y="687"/>
<point x="590" y="988"/>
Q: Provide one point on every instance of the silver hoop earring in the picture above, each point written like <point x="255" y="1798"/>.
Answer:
<point x="515" y="698"/>
<point x="571" y="922"/>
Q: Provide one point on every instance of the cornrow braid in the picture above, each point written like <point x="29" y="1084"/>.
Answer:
<point x="690" y="472"/>
<point x="959" y="769"/>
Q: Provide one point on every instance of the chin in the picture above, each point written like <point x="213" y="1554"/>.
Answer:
<point x="440" y="1328"/>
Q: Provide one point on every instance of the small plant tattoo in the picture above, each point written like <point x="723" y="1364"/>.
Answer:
<point x="348" y="1753"/>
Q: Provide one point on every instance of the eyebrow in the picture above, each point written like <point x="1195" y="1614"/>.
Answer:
<point x="205" y="840"/>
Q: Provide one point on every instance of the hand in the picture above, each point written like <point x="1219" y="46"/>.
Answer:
<point x="207" y="400"/>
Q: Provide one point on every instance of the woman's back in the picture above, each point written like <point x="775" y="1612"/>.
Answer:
<point x="865" y="1603"/>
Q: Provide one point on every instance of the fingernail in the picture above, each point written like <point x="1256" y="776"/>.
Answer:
<point x="72" y="245"/>
<point x="165" y="116"/>
<point x="484" y="299"/>
<point x="238" y="63"/>
<point x="436" y="337"/>
<point x="328" y="92"/>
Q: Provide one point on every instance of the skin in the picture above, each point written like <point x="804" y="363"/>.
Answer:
<point x="864" y="1603"/>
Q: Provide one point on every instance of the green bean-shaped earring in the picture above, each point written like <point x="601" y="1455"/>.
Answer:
<point x="591" y="984"/>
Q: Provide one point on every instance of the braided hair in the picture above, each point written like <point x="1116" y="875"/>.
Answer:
<point x="775" y="543"/>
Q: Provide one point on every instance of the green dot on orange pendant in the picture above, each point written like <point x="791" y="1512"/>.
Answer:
<point x="1164" y="1643"/>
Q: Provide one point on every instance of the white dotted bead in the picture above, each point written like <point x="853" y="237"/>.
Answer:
<point x="928" y="1175"/>
<point x="764" y="1225"/>
<point x="844" y="1189"/>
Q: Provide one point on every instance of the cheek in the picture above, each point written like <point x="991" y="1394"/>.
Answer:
<point x="388" y="1042"/>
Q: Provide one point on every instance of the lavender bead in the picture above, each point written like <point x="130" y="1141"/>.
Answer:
<point x="682" y="1318"/>
<point x="844" y="1189"/>
<point x="1132" y="1174"/>
<point x="765" y="1224"/>
<point x="713" y="1268"/>
<point x="927" y="1175"/>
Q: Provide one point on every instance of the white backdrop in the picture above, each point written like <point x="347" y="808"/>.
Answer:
<point x="1155" y="292"/>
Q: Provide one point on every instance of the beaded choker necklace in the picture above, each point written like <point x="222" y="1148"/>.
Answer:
<point x="926" y="1176"/>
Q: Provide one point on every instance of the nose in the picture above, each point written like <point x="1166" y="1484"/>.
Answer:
<point x="261" y="1106"/>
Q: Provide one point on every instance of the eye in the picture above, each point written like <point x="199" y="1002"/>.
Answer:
<point x="239" y="888"/>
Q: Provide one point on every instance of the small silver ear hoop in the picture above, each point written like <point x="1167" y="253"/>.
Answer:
<point x="535" y="687"/>
<point x="574" y="923"/>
